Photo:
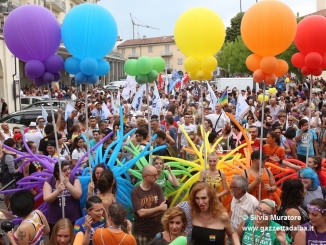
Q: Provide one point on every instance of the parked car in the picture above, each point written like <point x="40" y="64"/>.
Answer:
<point x="26" y="101"/>
<point x="115" y="85"/>
<point x="23" y="118"/>
<point x="47" y="104"/>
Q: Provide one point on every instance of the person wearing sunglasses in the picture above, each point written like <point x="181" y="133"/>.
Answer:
<point x="149" y="205"/>
<point x="313" y="232"/>
<point x="260" y="228"/>
<point x="311" y="185"/>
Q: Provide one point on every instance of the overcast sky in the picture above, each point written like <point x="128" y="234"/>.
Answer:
<point x="162" y="14"/>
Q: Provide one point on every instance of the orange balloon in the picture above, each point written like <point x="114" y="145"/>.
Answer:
<point x="282" y="68"/>
<point x="253" y="62"/>
<point x="79" y="238"/>
<point x="259" y="76"/>
<point x="268" y="64"/>
<point x="266" y="33"/>
<point x="270" y="79"/>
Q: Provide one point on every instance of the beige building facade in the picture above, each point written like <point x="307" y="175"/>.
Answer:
<point x="12" y="75"/>
<point x="164" y="46"/>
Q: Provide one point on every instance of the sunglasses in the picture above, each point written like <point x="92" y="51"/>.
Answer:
<point x="41" y="121"/>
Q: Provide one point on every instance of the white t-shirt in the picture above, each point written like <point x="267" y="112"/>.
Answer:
<point x="188" y="129"/>
<point x="218" y="120"/>
<point x="77" y="153"/>
<point x="34" y="136"/>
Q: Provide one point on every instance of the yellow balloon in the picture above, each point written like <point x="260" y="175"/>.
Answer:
<point x="192" y="75"/>
<point x="200" y="75"/>
<point x="260" y="97"/>
<point x="192" y="64"/>
<point x="199" y="32"/>
<point x="272" y="90"/>
<point x="208" y="64"/>
<point x="287" y="80"/>
<point x="208" y="75"/>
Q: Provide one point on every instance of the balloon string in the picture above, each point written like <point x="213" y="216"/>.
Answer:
<point x="149" y="126"/>
<point x="58" y="151"/>
<point x="261" y="137"/>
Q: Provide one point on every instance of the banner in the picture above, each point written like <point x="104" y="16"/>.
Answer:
<point x="45" y="115"/>
<point x="157" y="103"/>
<point x="130" y="86"/>
<point x="174" y="80"/>
<point x="137" y="102"/>
<point x="160" y="81"/>
<point x="105" y="111"/>
<point x="213" y="97"/>
<point x="68" y="110"/>
<point x="117" y="103"/>
<point x="242" y="108"/>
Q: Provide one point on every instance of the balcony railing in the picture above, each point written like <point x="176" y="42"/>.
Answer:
<point x="133" y="55"/>
<point x="8" y="6"/>
<point x="166" y="53"/>
<point x="57" y="5"/>
<point x="80" y="1"/>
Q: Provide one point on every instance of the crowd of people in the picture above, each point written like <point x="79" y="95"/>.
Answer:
<point x="253" y="218"/>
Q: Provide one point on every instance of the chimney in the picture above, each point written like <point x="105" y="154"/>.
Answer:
<point x="119" y="39"/>
<point x="144" y="37"/>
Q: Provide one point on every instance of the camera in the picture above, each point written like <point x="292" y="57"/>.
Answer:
<point x="7" y="226"/>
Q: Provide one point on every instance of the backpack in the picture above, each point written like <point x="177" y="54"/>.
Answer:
<point x="172" y="150"/>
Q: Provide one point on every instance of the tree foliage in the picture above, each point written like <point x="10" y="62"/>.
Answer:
<point x="234" y="31"/>
<point x="234" y="53"/>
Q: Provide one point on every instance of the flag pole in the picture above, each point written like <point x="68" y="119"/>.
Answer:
<point x="261" y="137"/>
<point x="202" y="123"/>
<point x="87" y="135"/>
<point x="58" y="152"/>
<point x="309" y="138"/>
<point x="149" y="126"/>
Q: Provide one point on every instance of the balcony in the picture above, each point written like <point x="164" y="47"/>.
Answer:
<point x="166" y="54"/>
<point x="168" y="66"/>
<point x="8" y="7"/>
<point x="80" y="1"/>
<point x="56" y="5"/>
<point x="133" y="56"/>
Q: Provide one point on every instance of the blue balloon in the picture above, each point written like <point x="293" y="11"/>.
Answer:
<point x="80" y="78"/>
<point x="72" y="65"/>
<point x="88" y="66"/>
<point x="89" y="30"/>
<point x="103" y="67"/>
<point x="92" y="79"/>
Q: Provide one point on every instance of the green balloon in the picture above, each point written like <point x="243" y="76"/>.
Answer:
<point x="158" y="64"/>
<point x="144" y="65"/>
<point x="152" y="76"/>
<point x="130" y="67"/>
<point x="142" y="79"/>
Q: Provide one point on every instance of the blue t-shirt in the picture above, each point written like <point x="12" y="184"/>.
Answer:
<point x="306" y="140"/>
<point x="80" y="226"/>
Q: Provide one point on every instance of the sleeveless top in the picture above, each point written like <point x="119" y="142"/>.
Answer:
<point x="161" y="181"/>
<point x="39" y="229"/>
<point x="264" y="180"/>
<point x="313" y="236"/>
<point x="214" y="182"/>
<point x="203" y="236"/>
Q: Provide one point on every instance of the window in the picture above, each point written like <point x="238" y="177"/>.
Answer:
<point x="123" y="51"/>
<point x="167" y="61"/>
<point x="24" y="101"/>
<point x="71" y="6"/>
<point x="180" y="61"/>
<point x="14" y="119"/>
<point x="150" y="49"/>
<point x="133" y="50"/>
<point x="167" y="48"/>
<point x="35" y="100"/>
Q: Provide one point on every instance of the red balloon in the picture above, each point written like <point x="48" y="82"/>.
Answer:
<point x="306" y="71"/>
<point x="298" y="60"/>
<point x="270" y="79"/>
<point x="311" y="34"/>
<point x="313" y="60"/>
<point x="259" y="76"/>
<point x="317" y="72"/>
<point x="323" y="63"/>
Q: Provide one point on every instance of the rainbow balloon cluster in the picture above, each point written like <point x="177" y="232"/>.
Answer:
<point x="263" y="40"/>
<point x="32" y="34"/>
<point x="145" y="69"/>
<point x="199" y="34"/>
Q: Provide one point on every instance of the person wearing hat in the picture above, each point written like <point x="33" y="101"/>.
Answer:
<point x="266" y="178"/>
<point x="97" y="111"/>
<point x="40" y="121"/>
<point x="51" y="148"/>
<point x="33" y="135"/>
<point x="34" y="224"/>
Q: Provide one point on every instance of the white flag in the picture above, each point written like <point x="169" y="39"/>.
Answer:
<point x="130" y="86"/>
<point x="136" y="103"/>
<point x="117" y="103"/>
<point x="242" y="108"/>
<point x="68" y="110"/>
<point x="105" y="111"/>
<point x="45" y="115"/>
<point x="112" y="103"/>
<point x="166" y="82"/>
<point x="212" y="96"/>
<point x="157" y="103"/>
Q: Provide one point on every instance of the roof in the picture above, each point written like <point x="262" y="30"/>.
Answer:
<point x="146" y="41"/>
<point x="320" y="12"/>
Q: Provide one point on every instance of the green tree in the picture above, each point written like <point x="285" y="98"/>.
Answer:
<point x="234" y="53"/>
<point x="234" y="31"/>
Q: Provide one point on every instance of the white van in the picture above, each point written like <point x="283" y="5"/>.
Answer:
<point x="240" y="83"/>
<point x="115" y="85"/>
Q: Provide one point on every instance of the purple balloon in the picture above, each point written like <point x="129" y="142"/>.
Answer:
<point x="54" y="63"/>
<point x="34" y="69"/>
<point x="32" y="32"/>
<point x="39" y="82"/>
<point x="57" y="76"/>
<point x="48" y="77"/>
